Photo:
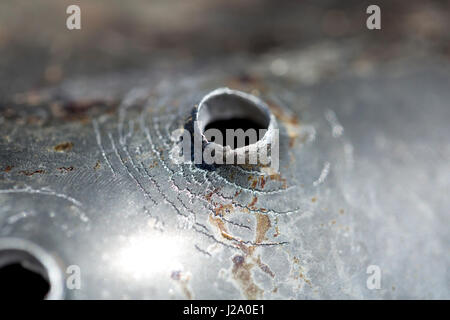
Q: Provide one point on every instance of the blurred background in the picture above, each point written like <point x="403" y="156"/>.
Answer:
<point x="37" y="50"/>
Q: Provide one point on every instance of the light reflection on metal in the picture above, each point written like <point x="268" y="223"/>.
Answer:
<point x="144" y="256"/>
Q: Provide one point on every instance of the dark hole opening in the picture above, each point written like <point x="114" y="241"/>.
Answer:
<point x="235" y="123"/>
<point x="18" y="282"/>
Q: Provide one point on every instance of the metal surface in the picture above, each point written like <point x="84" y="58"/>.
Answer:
<point x="87" y="179"/>
<point x="364" y="181"/>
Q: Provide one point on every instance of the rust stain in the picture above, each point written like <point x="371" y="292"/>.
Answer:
<point x="262" y="226"/>
<point x="153" y="164"/>
<point x="281" y="114"/>
<point x="252" y="204"/>
<point x="227" y="236"/>
<point x="262" y="182"/>
<point x="30" y="173"/>
<point x="277" y="232"/>
<point x="302" y="276"/>
<point x="277" y="177"/>
<point x="296" y="260"/>
<point x="220" y="224"/>
<point x="290" y="121"/>
<point x="97" y="165"/>
<point x="241" y="272"/>
<point x="63" y="147"/>
<point x="314" y="199"/>
<point x="209" y="195"/>
<point x="8" y="168"/>
<point x="264" y="267"/>
<point x="247" y="82"/>
<point x="183" y="281"/>
<point x="81" y="110"/>
<point x="247" y="250"/>
<point x="257" y="180"/>
<point x="253" y="180"/>
<point x="221" y="209"/>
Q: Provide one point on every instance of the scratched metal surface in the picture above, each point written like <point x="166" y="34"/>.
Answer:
<point x="364" y="180"/>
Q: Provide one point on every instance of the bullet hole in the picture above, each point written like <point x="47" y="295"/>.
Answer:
<point x="235" y="123"/>
<point x="225" y="109"/>
<point x="22" y="276"/>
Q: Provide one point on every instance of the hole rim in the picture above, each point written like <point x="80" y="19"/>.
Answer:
<point x="26" y="251"/>
<point x="253" y="102"/>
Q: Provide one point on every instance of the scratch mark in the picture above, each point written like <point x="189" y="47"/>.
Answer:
<point x="99" y="142"/>
<point x="202" y="251"/>
<point x="236" y="224"/>
<point x="336" y="128"/>
<point x="193" y="168"/>
<point x="19" y="216"/>
<point x="172" y="173"/>
<point x="214" y="239"/>
<point x="45" y="191"/>
<point x="323" y="174"/>
<point x="208" y="182"/>
<point x="140" y="186"/>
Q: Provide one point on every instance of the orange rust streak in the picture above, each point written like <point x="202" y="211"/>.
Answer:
<point x="255" y="199"/>
<point x="262" y="226"/>
<point x="29" y="174"/>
